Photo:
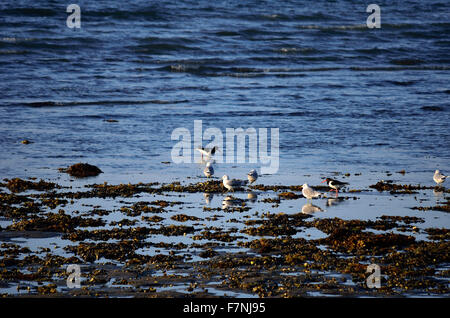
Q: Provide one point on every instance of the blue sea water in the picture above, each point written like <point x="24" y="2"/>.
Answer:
<point x="344" y="97"/>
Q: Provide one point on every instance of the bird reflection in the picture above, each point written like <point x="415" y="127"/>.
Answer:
<point x="333" y="201"/>
<point x="227" y="202"/>
<point x="310" y="208"/>
<point x="230" y="202"/>
<point x="208" y="197"/>
<point x="438" y="192"/>
<point x="252" y="196"/>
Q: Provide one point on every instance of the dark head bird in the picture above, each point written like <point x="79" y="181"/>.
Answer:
<point x="334" y="184"/>
<point x="207" y="152"/>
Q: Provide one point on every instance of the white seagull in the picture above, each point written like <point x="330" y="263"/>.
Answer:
<point x="309" y="193"/>
<point x="209" y="170"/>
<point x="230" y="184"/>
<point x="207" y="152"/>
<point x="439" y="177"/>
<point x="252" y="176"/>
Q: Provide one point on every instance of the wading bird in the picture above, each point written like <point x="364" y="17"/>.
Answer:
<point x="335" y="185"/>
<point x="439" y="177"/>
<point x="309" y="193"/>
<point x="252" y="176"/>
<point x="209" y="170"/>
<point x="231" y="184"/>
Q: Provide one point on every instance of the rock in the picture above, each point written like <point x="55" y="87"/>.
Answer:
<point x="82" y="170"/>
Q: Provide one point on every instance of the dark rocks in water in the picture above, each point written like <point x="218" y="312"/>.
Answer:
<point x="406" y="62"/>
<point x="433" y="108"/>
<point x="82" y="170"/>
<point x="402" y="83"/>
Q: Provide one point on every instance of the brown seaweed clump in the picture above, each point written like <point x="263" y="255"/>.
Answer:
<point x="82" y="170"/>
<point x="397" y="188"/>
<point x="289" y="195"/>
<point x="442" y="208"/>
<point x="55" y="222"/>
<point x="184" y="218"/>
<point x="19" y="185"/>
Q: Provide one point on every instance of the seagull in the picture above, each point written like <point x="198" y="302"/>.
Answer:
<point x="230" y="184"/>
<point x="209" y="170"/>
<point x="335" y="185"/>
<point x="309" y="193"/>
<point x="439" y="177"/>
<point x="207" y="152"/>
<point x="310" y="208"/>
<point x="252" y="176"/>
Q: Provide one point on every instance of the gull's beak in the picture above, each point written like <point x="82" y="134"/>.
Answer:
<point x="324" y="180"/>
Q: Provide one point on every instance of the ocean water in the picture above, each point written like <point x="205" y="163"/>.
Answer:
<point x="344" y="97"/>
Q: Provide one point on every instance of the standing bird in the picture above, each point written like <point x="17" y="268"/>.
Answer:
<point x="207" y="152"/>
<point x="335" y="185"/>
<point x="252" y="176"/>
<point x="309" y="193"/>
<point x="439" y="177"/>
<point x="231" y="184"/>
<point x="209" y="170"/>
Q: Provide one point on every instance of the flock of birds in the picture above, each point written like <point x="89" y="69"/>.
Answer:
<point x="307" y="191"/>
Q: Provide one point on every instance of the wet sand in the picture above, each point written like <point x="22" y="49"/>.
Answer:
<point x="194" y="239"/>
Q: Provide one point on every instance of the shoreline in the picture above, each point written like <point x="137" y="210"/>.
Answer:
<point x="155" y="240"/>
